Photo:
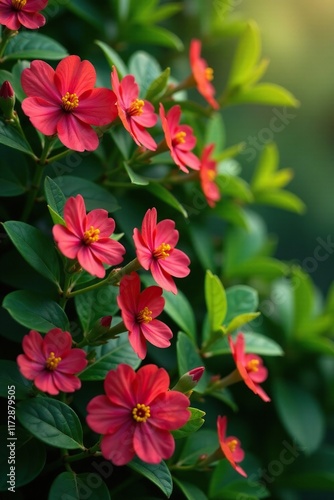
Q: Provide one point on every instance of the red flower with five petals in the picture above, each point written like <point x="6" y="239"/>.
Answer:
<point x="207" y="175"/>
<point x="155" y="248"/>
<point x="249" y="366"/>
<point x="179" y="138"/>
<point x="51" y="362"/>
<point x="202" y="74"/>
<point x="139" y="310"/>
<point x="230" y="446"/>
<point x="64" y="102"/>
<point x="137" y="414"/>
<point x="17" y="13"/>
<point x="136" y="114"/>
<point x="87" y="237"/>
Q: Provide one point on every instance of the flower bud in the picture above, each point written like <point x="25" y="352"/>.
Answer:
<point x="7" y="100"/>
<point x="189" y="380"/>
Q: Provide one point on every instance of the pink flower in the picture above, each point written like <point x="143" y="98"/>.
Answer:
<point x="87" y="237"/>
<point x="136" y="114"/>
<point x="249" y="366"/>
<point x="230" y="446"/>
<point x="207" y="175"/>
<point x="137" y="414"/>
<point x="17" y="13"/>
<point x="51" y="362"/>
<point x="64" y="102"/>
<point x="202" y="74"/>
<point x="179" y="138"/>
<point x="139" y="310"/>
<point x="155" y="247"/>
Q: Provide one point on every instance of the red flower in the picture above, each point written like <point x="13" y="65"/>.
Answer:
<point x="179" y="138"/>
<point x="207" y="175"/>
<point x="51" y="362"/>
<point x="230" y="446"/>
<point x="64" y="102"/>
<point x="87" y="237"/>
<point x="249" y="366"/>
<point x="17" y="13"/>
<point x="136" y="114"/>
<point x="202" y="74"/>
<point x="137" y="414"/>
<point x="155" y="247"/>
<point x="139" y="310"/>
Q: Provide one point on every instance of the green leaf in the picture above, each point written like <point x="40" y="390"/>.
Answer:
<point x="225" y="396"/>
<point x="163" y="194"/>
<point x="31" y="45"/>
<point x="215" y="299"/>
<point x="94" y="304"/>
<point x="145" y="69"/>
<point x="51" y="421"/>
<point x="228" y="484"/>
<point x="240" y="320"/>
<point x="87" y="10"/>
<point x="113" y="58"/>
<point x="203" y="442"/>
<point x="215" y="132"/>
<point x="95" y="196"/>
<point x="241" y="299"/>
<point x="54" y="196"/>
<point x="235" y="187"/>
<point x="72" y="486"/>
<point x="232" y="212"/>
<point x="157" y="473"/>
<point x="155" y="35"/>
<point x="179" y="309"/>
<point x="9" y="136"/>
<point x="135" y="178"/>
<point x="190" y="491"/>
<point x="300" y="414"/>
<point x="266" y="167"/>
<point x="26" y="469"/>
<point x="304" y="299"/>
<point x="266" y="267"/>
<point x="281" y="199"/>
<point x="35" y="247"/>
<point x="202" y="245"/>
<point x="15" y="78"/>
<point x="159" y="14"/>
<point x="109" y="356"/>
<point x="10" y="376"/>
<point x="195" y="421"/>
<point x="265" y="94"/>
<point x="188" y="358"/>
<point x="158" y="86"/>
<point x="13" y="175"/>
<point x="35" y="311"/>
<point x="246" y="56"/>
<point x="256" y="343"/>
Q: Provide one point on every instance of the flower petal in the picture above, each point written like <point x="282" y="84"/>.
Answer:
<point x="151" y="444"/>
<point x="118" y="447"/>
<point x="74" y="76"/>
<point x="75" y="134"/>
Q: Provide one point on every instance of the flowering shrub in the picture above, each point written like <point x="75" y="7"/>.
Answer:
<point x="114" y="402"/>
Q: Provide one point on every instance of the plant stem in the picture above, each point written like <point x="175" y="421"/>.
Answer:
<point x="6" y="36"/>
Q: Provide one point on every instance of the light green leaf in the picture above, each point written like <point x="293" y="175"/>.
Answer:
<point x="235" y="187"/>
<point x="51" y="421"/>
<point x="300" y="414"/>
<point x="215" y="133"/>
<point x="246" y="56"/>
<point x="241" y="299"/>
<point x="154" y="35"/>
<point x="31" y="45"/>
<point x="240" y="320"/>
<point x="267" y="165"/>
<point x="266" y="94"/>
<point x="215" y="299"/>
<point x="113" y="58"/>
<point x="195" y="421"/>
<point x="256" y="343"/>
<point x="304" y="298"/>
<point x="281" y="199"/>
<point x="266" y="267"/>
<point x="157" y="473"/>
<point x="34" y="311"/>
<point x="158" y="86"/>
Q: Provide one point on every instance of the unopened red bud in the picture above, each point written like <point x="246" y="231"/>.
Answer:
<point x="6" y="90"/>
<point x="189" y="380"/>
<point x="196" y="373"/>
<point x="7" y="100"/>
<point x="106" y="321"/>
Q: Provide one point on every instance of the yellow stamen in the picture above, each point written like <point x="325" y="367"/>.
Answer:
<point x="52" y="362"/>
<point x="211" y="175"/>
<point x="232" y="444"/>
<point x="253" y="365"/>
<point x="209" y="74"/>
<point x="141" y="413"/>
<point x="136" y="108"/>
<point x="180" y="137"/>
<point x="162" y="251"/>
<point x="91" y="235"/>
<point x="18" y="4"/>
<point x="144" y="316"/>
<point x="70" y="101"/>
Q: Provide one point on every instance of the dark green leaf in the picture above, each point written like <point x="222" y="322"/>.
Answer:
<point x="188" y="358"/>
<point x="35" y="311"/>
<point x="300" y="414"/>
<point x="13" y="175"/>
<point x="31" y="45"/>
<point x="157" y="473"/>
<point x="54" y="196"/>
<point x="256" y="343"/>
<point x="179" y="309"/>
<point x="93" y="305"/>
<point x="109" y="356"/>
<point x="51" y="421"/>
<point x="10" y="376"/>
<point x="72" y="486"/>
<point x="35" y="247"/>
<point x="134" y="177"/>
<point x="88" y="11"/>
<point x="240" y="299"/>
<point x="145" y="69"/>
<point x="158" y="86"/>
<point x="190" y="491"/>
<point x="25" y="468"/>
<point x="155" y="35"/>
<point x="203" y="442"/>
<point x="9" y="136"/>
<point x="113" y="58"/>
<point x="163" y="194"/>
